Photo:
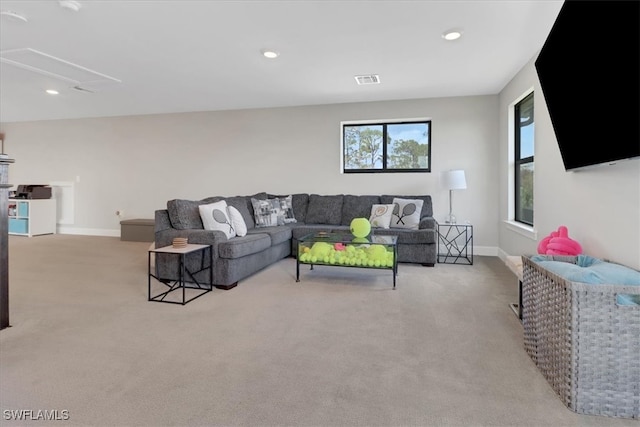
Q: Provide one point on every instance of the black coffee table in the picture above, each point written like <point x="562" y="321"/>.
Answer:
<point x="344" y="250"/>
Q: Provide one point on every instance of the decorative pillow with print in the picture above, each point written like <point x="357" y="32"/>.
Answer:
<point x="264" y="213"/>
<point x="272" y="212"/>
<point x="285" y="211"/>
<point x="237" y="221"/>
<point x="406" y="213"/>
<point x="381" y="215"/>
<point x="214" y="217"/>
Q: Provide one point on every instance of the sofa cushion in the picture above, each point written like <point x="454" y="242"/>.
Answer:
<point x="357" y="207"/>
<point x="300" y="204"/>
<point x="243" y="246"/>
<point x="406" y="213"/>
<point x="211" y="199"/>
<point x="427" y="208"/>
<point x="324" y="209"/>
<point x="277" y="234"/>
<point x="184" y="214"/>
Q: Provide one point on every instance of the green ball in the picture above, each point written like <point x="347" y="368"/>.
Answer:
<point x="360" y="227"/>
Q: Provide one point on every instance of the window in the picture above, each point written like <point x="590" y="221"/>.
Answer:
<point x="407" y="147"/>
<point x="524" y="166"/>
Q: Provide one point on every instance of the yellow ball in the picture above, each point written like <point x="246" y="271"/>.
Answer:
<point x="360" y="227"/>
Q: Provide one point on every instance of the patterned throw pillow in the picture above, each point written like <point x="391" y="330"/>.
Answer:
<point x="264" y="213"/>
<point x="286" y="210"/>
<point x="271" y="212"/>
<point x="381" y="215"/>
<point x="214" y="217"/>
<point x="406" y="213"/>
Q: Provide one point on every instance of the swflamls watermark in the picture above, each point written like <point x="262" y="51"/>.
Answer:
<point x="35" y="414"/>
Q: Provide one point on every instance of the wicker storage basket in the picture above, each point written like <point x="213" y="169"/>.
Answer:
<point x="584" y="343"/>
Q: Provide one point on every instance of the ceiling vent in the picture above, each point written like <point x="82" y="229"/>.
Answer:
<point x="369" y="79"/>
<point x="50" y="66"/>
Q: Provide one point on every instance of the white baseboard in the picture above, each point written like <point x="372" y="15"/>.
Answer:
<point x="485" y="250"/>
<point x="477" y="250"/>
<point x="88" y="231"/>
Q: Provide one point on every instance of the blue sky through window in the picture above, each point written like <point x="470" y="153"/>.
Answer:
<point x="526" y="141"/>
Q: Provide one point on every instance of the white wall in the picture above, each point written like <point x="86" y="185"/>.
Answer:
<point x="137" y="163"/>
<point x="599" y="205"/>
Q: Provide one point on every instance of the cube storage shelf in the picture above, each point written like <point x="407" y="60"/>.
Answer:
<point x="32" y="217"/>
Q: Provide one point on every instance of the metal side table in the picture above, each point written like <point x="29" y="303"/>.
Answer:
<point x="180" y="284"/>
<point x="455" y="244"/>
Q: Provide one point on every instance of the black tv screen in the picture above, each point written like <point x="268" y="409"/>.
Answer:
<point x="590" y="78"/>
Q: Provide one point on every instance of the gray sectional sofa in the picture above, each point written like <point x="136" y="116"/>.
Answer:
<point x="239" y="257"/>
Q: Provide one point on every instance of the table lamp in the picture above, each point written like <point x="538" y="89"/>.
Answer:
<point x="452" y="180"/>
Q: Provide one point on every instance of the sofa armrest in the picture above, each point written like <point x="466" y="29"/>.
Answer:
<point x="427" y="222"/>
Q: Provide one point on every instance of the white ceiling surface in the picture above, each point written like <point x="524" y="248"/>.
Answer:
<point x="183" y="56"/>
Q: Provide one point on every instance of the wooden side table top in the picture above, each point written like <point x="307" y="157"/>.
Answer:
<point x="191" y="247"/>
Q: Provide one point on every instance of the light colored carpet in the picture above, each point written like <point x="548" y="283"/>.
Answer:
<point x="340" y="348"/>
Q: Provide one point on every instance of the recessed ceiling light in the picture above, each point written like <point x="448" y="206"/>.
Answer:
<point x="14" y="16"/>
<point x="452" y="35"/>
<point x="52" y="91"/>
<point x="271" y="54"/>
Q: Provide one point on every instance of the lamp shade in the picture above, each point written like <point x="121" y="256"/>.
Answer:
<point x="453" y="180"/>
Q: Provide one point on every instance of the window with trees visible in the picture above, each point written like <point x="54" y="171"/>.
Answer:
<point x="386" y="146"/>
<point x="524" y="166"/>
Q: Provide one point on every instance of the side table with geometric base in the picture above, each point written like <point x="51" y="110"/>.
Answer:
<point x="455" y="243"/>
<point x="180" y="284"/>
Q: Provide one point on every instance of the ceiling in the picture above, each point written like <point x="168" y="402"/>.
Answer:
<point x="148" y="57"/>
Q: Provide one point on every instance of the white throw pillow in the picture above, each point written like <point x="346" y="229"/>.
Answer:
<point x="237" y="221"/>
<point x="214" y="217"/>
<point x="406" y="213"/>
<point x="381" y="216"/>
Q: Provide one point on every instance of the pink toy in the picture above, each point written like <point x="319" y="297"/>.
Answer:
<point x="338" y="247"/>
<point x="559" y="243"/>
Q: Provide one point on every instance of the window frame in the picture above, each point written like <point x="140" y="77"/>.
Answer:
<point x="385" y="124"/>
<point x="518" y="161"/>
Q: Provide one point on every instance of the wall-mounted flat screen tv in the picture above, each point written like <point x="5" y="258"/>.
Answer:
<point x="590" y="78"/>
